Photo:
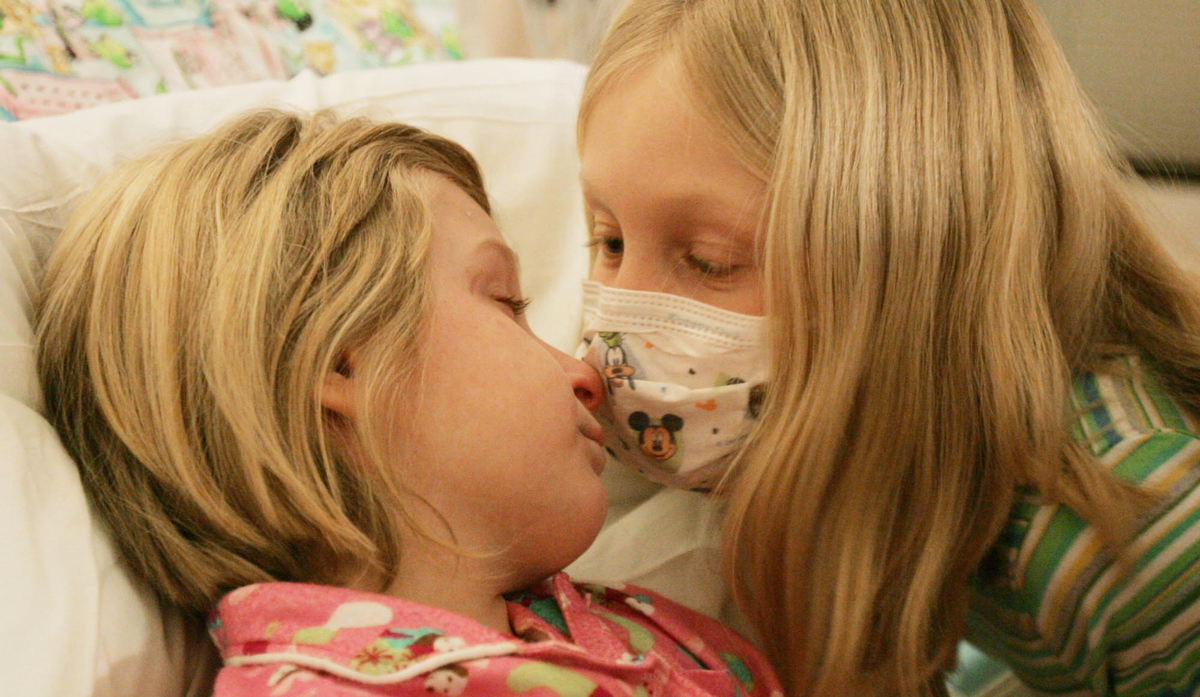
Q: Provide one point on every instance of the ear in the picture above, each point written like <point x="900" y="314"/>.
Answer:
<point x="339" y="387"/>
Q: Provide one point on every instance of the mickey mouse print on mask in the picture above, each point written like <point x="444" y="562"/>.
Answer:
<point x="684" y="379"/>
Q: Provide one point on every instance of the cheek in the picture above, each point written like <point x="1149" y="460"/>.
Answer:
<point x="601" y="271"/>
<point x="499" y="387"/>
<point x="750" y="299"/>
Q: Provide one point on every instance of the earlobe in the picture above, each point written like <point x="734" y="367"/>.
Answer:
<point x="337" y="391"/>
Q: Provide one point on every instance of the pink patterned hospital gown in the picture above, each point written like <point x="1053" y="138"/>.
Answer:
<point x="573" y="640"/>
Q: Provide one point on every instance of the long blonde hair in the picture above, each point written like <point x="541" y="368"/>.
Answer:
<point x="947" y="241"/>
<point x="189" y="314"/>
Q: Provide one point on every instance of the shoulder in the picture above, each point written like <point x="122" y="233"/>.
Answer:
<point x="1121" y="405"/>
<point x="1068" y="612"/>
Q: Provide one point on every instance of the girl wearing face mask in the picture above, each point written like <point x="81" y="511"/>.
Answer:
<point x="902" y="224"/>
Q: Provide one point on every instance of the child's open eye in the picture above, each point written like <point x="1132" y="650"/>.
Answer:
<point x="609" y="245"/>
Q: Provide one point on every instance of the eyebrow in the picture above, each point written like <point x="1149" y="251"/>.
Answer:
<point x="683" y="200"/>
<point x="673" y="205"/>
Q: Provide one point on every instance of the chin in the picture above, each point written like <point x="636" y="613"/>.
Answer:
<point x="554" y="554"/>
<point x="594" y="523"/>
<point x="595" y="515"/>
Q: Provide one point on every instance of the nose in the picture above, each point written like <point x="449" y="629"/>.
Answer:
<point x="585" y="381"/>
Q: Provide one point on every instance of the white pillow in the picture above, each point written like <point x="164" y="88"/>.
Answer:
<point x="72" y="622"/>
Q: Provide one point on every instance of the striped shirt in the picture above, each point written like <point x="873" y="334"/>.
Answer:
<point x="1066" y="618"/>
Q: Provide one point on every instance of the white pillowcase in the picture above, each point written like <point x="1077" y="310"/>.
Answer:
<point x="71" y="622"/>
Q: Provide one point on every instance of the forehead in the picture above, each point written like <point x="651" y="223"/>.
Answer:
<point x="646" y="136"/>
<point x="646" y="100"/>
<point x="645" y="113"/>
<point x="458" y="221"/>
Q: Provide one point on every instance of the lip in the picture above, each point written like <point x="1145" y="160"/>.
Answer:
<point x="599" y="458"/>
<point x="593" y="432"/>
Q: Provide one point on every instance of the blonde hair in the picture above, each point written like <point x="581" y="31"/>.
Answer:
<point x="947" y="241"/>
<point x="190" y="312"/>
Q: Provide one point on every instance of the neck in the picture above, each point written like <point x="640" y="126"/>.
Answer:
<point x="440" y="578"/>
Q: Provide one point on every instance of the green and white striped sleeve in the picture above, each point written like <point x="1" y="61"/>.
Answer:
<point x="1067" y="618"/>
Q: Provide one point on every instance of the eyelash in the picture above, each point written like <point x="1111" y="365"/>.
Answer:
<point x="614" y="246"/>
<point x="516" y="305"/>
<point x="708" y="268"/>
<point x="605" y="243"/>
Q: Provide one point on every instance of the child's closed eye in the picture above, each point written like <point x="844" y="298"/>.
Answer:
<point x="515" y="305"/>
<point x="708" y="268"/>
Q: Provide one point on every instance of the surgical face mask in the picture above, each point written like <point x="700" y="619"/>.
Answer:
<point x="684" y="381"/>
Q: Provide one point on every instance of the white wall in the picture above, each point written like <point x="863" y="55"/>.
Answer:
<point x="1139" y="60"/>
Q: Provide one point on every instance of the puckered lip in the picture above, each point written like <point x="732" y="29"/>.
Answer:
<point x="592" y="430"/>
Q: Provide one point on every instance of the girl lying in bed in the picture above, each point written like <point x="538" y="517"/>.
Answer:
<point x="291" y="362"/>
